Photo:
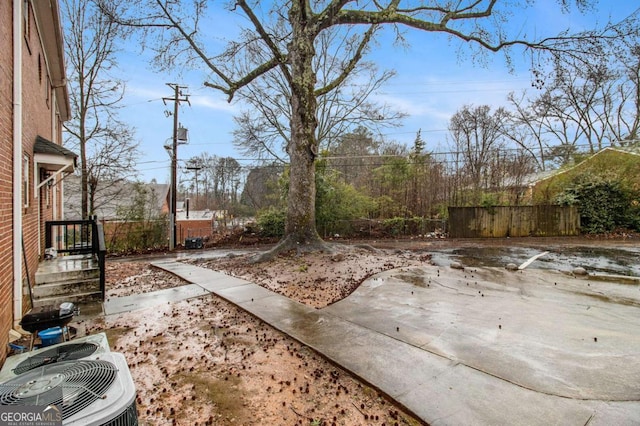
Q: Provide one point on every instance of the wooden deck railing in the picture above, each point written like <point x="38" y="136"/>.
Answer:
<point x="69" y="237"/>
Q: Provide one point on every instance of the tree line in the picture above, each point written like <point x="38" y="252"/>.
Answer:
<point x="489" y="155"/>
<point x="293" y="63"/>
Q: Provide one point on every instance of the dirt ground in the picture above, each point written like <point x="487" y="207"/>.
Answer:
<point x="207" y="362"/>
<point x="204" y="361"/>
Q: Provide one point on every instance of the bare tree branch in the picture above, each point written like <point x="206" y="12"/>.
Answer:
<point x="95" y="97"/>
<point x="353" y="62"/>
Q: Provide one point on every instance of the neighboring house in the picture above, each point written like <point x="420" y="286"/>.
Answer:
<point x="33" y="105"/>
<point x="521" y="188"/>
<point x="131" y="213"/>
<point x="195" y="223"/>
<point x="608" y="163"/>
<point x="113" y="201"/>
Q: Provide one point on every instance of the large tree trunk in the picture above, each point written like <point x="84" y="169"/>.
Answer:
<point x="300" y="227"/>
<point x="301" y="205"/>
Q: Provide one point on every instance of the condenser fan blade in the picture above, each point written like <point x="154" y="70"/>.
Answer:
<point x="65" y="352"/>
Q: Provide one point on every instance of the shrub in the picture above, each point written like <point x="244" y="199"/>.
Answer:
<point x="604" y="205"/>
<point x="136" y="236"/>
<point x="394" y="226"/>
<point x="415" y="225"/>
<point x="271" y="222"/>
<point x="338" y="203"/>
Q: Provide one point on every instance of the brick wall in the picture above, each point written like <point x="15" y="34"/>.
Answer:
<point x="36" y="114"/>
<point x="38" y="119"/>
<point x="6" y="175"/>
<point x="193" y="228"/>
<point x="37" y="104"/>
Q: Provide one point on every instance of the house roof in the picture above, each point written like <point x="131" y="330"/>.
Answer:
<point x="621" y="165"/>
<point x="53" y="157"/>
<point x="554" y="173"/>
<point x="112" y="198"/>
<point x="195" y="215"/>
<point x="44" y="146"/>
<point x="47" y="14"/>
<point x="533" y="178"/>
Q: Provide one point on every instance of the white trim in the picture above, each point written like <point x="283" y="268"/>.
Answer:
<point x="17" y="160"/>
<point x="53" y="176"/>
<point x="26" y="180"/>
<point x="55" y="160"/>
<point x="59" y="195"/>
<point x="47" y="21"/>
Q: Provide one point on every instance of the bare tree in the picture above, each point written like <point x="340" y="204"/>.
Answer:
<point x="352" y="155"/>
<point x="477" y="136"/>
<point x="593" y="105"/>
<point x="544" y="127"/>
<point x="287" y="36"/>
<point x="110" y="162"/>
<point x="219" y="181"/>
<point x="107" y="148"/>
<point x="261" y="189"/>
<point x="624" y="123"/>
<point x="575" y="105"/>
<point x="426" y="179"/>
<point x="525" y="129"/>
<point x="208" y="164"/>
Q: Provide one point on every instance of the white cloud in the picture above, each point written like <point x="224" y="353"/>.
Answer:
<point x="216" y="103"/>
<point x="146" y="93"/>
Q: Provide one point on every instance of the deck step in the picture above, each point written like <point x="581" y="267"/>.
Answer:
<point x="67" y="287"/>
<point x="78" y="298"/>
<point x="63" y="277"/>
<point x="67" y="268"/>
<point x="67" y="279"/>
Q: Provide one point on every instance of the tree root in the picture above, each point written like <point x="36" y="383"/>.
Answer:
<point x="367" y="247"/>
<point x="289" y="244"/>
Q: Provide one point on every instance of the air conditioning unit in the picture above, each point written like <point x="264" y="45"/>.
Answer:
<point x="75" y="349"/>
<point x="95" y="391"/>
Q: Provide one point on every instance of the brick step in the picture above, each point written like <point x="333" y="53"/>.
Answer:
<point x="67" y="287"/>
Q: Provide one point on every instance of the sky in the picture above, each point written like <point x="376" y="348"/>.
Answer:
<point x="433" y="81"/>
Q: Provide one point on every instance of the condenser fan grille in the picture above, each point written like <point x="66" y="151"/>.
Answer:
<point x="72" y="385"/>
<point x="65" y="352"/>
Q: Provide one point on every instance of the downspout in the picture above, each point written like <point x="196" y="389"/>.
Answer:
<point x="17" y="161"/>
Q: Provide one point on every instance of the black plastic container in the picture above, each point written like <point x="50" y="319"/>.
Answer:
<point x="38" y="321"/>
<point x="193" y="243"/>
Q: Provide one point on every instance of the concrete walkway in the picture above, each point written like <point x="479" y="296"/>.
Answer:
<point x="483" y="347"/>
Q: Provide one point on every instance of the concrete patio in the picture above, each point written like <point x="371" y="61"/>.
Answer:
<point x="474" y="346"/>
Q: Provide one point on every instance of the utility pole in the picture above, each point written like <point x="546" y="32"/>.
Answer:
<point x="178" y="97"/>
<point x="195" y="167"/>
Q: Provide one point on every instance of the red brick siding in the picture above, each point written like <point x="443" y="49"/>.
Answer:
<point x="193" y="228"/>
<point x="37" y="118"/>
<point x="37" y="102"/>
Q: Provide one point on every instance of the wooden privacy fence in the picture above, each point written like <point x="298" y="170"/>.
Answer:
<point x="513" y="221"/>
